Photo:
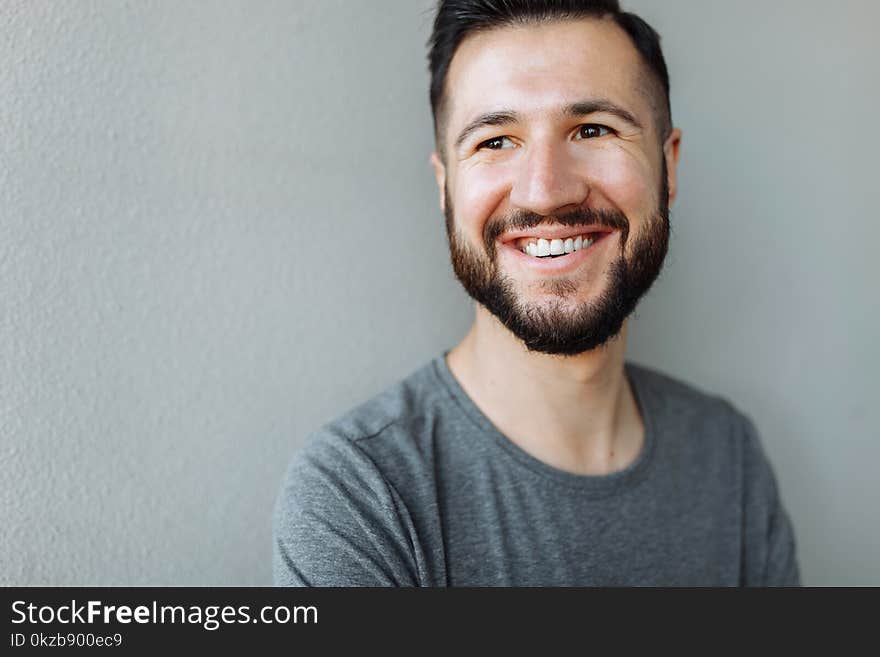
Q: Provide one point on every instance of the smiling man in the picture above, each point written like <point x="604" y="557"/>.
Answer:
<point x="533" y="453"/>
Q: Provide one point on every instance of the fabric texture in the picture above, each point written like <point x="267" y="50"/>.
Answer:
<point x="416" y="487"/>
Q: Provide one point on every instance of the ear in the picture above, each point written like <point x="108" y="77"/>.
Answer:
<point x="440" y="175"/>
<point x="670" y="153"/>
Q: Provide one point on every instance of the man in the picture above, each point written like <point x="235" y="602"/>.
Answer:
<point x="533" y="453"/>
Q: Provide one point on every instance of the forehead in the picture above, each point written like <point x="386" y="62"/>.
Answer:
<point x="543" y="66"/>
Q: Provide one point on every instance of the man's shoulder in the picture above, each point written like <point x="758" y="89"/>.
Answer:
<point x="337" y="517"/>
<point x="690" y="415"/>
<point x="674" y="391"/>
<point x="392" y="415"/>
<point x="399" y="403"/>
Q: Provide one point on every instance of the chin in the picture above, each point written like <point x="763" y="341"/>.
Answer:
<point x="561" y="292"/>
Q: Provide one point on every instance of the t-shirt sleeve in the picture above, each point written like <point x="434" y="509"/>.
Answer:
<point x="336" y="521"/>
<point x="769" y="552"/>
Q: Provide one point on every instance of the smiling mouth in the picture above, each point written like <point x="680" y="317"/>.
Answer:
<point x="539" y="247"/>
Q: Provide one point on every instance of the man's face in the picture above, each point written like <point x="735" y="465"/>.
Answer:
<point x="550" y="136"/>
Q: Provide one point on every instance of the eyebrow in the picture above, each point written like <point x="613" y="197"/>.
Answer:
<point x="581" y="108"/>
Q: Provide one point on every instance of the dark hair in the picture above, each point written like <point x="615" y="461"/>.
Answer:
<point x="456" y="19"/>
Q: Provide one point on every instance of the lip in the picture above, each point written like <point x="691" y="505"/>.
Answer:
<point x="560" y="265"/>
<point x="554" y="232"/>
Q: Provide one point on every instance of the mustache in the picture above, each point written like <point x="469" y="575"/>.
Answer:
<point x="521" y="219"/>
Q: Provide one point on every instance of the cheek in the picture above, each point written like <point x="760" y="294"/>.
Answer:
<point x="626" y="182"/>
<point x="478" y="197"/>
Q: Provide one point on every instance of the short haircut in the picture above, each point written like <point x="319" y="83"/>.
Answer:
<point x="456" y="19"/>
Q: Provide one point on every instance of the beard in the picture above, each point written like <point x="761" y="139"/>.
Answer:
<point x="555" y="327"/>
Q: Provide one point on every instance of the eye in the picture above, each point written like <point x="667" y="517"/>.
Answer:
<point x="593" y="130"/>
<point x="494" y="144"/>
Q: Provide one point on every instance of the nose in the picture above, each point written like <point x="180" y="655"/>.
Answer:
<point x="549" y="181"/>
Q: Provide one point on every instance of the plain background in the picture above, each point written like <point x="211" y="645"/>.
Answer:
<point x="219" y="230"/>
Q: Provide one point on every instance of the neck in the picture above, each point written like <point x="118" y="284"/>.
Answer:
<point x="576" y="413"/>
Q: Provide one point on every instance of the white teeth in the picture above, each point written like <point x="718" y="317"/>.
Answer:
<point x="541" y="247"/>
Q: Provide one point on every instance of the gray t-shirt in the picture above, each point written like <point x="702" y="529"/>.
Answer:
<point x="417" y="487"/>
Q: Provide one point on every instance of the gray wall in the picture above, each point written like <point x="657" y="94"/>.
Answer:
<point x="219" y="229"/>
